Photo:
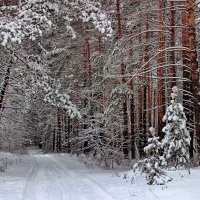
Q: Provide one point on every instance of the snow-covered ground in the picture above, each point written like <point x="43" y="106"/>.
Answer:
<point x="61" y="177"/>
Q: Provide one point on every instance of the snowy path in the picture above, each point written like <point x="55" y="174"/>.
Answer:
<point x="59" y="177"/>
<point x="50" y="180"/>
<point x="62" y="177"/>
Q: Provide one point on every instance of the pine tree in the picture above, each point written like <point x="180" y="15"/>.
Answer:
<point x="153" y="165"/>
<point x="177" y="138"/>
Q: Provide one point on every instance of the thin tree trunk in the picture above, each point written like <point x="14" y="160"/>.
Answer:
<point x="58" y="130"/>
<point x="148" y="85"/>
<point x="172" y="43"/>
<point x="86" y="77"/>
<point x="54" y="139"/>
<point x="69" y="129"/>
<point x="122" y="69"/>
<point x="132" y="105"/>
<point x="160" y="72"/>
<point x="89" y="65"/>
<point x="101" y="95"/>
<point x="140" y="103"/>
<point x="186" y="74"/>
<point x="4" y="87"/>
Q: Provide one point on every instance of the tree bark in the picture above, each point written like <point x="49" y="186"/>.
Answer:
<point x="122" y="69"/>
<point x="4" y="87"/>
<point x="172" y="44"/>
<point x="148" y="79"/>
<point x="192" y="54"/>
<point x="132" y="105"/>
<point x="160" y="72"/>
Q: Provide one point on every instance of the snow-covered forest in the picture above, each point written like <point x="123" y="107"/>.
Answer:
<point x="105" y="92"/>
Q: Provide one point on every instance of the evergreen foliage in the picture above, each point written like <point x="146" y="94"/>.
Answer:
<point x="153" y="164"/>
<point x="177" y="138"/>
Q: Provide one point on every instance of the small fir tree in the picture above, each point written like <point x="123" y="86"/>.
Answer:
<point x="153" y="165"/>
<point x="177" y="138"/>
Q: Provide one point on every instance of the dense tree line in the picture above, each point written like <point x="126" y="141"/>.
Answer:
<point x="93" y="77"/>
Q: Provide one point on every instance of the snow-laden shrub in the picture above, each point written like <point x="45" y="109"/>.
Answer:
<point x="153" y="165"/>
<point x="177" y="138"/>
<point x="3" y="164"/>
<point x="7" y="159"/>
<point x="105" y="161"/>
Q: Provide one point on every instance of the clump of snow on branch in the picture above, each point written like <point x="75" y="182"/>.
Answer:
<point x="54" y="96"/>
<point x="177" y="138"/>
<point x="26" y="21"/>
<point x="37" y="77"/>
<point x="32" y="17"/>
<point x="153" y="165"/>
<point x="100" y="21"/>
<point x="59" y="99"/>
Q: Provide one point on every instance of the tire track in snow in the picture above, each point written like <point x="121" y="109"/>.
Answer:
<point x="28" y="186"/>
<point x="42" y="184"/>
<point x="69" y="184"/>
<point x="49" y="180"/>
<point x="51" y="187"/>
<point x="83" y="185"/>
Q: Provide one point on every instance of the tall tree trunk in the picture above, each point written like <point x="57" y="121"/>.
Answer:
<point x="122" y="69"/>
<point x="140" y="99"/>
<point x="132" y="105"/>
<point x="89" y="65"/>
<point x="69" y="129"/>
<point x="148" y="80"/>
<point x="194" y="68"/>
<point x="59" y="130"/>
<point x="172" y="44"/>
<point x="187" y="75"/>
<point x="101" y="95"/>
<point x="54" y="139"/>
<point x="160" y="71"/>
<point x="86" y="77"/>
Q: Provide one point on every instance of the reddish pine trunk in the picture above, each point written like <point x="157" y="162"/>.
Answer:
<point x="186" y="74"/>
<point x="122" y="69"/>
<point x="119" y="22"/>
<point x="141" y="104"/>
<point x="148" y="80"/>
<point x="160" y="72"/>
<point x="172" y="44"/>
<point x="194" y="67"/>
<point x="132" y="105"/>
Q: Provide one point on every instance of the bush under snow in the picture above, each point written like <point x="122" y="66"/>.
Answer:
<point x="177" y="138"/>
<point x="153" y="165"/>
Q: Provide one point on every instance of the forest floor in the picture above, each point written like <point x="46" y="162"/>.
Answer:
<point x="62" y="177"/>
